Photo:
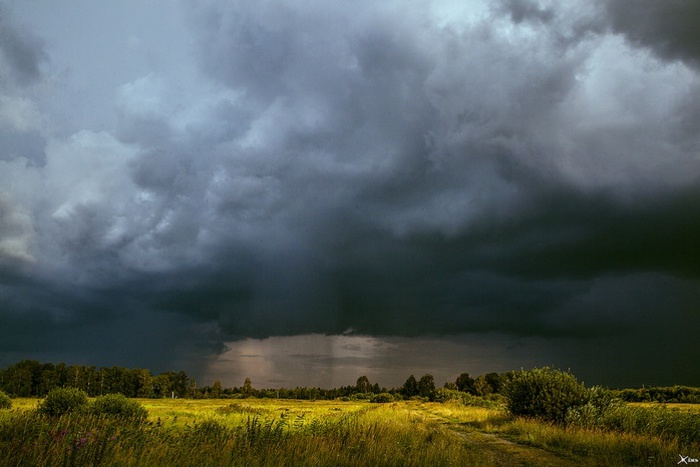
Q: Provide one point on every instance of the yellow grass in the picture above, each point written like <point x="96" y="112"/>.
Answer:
<point x="237" y="432"/>
<point x="287" y="432"/>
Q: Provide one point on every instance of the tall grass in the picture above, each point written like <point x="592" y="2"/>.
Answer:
<point x="597" y="447"/>
<point x="621" y="435"/>
<point x="390" y="435"/>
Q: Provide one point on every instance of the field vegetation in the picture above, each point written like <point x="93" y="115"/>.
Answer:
<point x="538" y="417"/>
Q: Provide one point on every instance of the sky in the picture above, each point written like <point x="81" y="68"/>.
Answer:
<point x="304" y="192"/>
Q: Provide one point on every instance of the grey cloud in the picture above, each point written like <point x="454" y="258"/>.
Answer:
<point x="668" y="28"/>
<point x="27" y="145"/>
<point x="16" y="239"/>
<point x="377" y="171"/>
<point x="21" y="52"/>
<point x="520" y="11"/>
<point x="428" y="184"/>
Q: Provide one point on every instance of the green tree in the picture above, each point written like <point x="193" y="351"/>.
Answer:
<point x="410" y="387"/>
<point x="482" y="386"/>
<point x="426" y="386"/>
<point x="363" y="384"/>
<point x="48" y="379"/>
<point x="144" y="383"/>
<point x="162" y="385"/>
<point x="22" y="378"/>
<point x="247" y="388"/>
<point x="496" y="381"/>
<point x="465" y="383"/>
<point x="216" y="389"/>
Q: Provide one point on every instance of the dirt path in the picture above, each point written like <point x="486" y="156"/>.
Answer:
<point x="501" y="451"/>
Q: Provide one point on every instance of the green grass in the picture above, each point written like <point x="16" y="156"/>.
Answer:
<point x="629" y="435"/>
<point x="214" y="432"/>
<point x="250" y="432"/>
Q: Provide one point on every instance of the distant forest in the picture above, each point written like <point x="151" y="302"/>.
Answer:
<point x="30" y="378"/>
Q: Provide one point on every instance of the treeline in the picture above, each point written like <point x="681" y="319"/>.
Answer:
<point x="671" y="394"/>
<point x="491" y="383"/>
<point x="30" y="378"/>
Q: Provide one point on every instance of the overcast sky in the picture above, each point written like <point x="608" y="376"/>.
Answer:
<point x="308" y="191"/>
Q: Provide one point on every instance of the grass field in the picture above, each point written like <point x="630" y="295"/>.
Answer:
<point x="216" y="432"/>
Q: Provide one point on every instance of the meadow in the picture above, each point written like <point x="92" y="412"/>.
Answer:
<point x="215" y="432"/>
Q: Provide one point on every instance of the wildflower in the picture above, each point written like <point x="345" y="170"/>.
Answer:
<point x="80" y="443"/>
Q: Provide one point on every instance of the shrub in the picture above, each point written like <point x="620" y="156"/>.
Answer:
<point x="63" y="400"/>
<point x="599" y="403"/>
<point x="464" y="398"/>
<point x="382" y="398"/>
<point x="118" y="405"/>
<point x="545" y="393"/>
<point x="5" y="401"/>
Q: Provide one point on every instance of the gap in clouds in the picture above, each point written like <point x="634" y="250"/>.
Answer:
<point x="316" y="360"/>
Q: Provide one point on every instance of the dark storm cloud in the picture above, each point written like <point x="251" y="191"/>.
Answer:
<point x="21" y="52"/>
<point x="374" y="171"/>
<point x="520" y="11"/>
<point x="669" y="28"/>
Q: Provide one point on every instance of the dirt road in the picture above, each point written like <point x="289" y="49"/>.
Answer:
<point x="501" y="451"/>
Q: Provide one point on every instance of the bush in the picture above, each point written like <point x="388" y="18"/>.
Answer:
<point x="118" y="405"/>
<point x="5" y="401"/>
<point x="464" y="398"/>
<point x="545" y="393"/>
<point x="63" y="400"/>
<point x="382" y="398"/>
<point x="599" y="403"/>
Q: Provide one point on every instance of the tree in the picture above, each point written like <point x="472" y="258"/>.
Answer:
<point x="216" y="389"/>
<point x="162" y="385"/>
<point x="363" y="385"/>
<point x="465" y="383"/>
<point x="248" y="387"/>
<point x="496" y="382"/>
<point x="426" y="386"/>
<point x="482" y="386"/>
<point x="48" y="379"/>
<point x="182" y="384"/>
<point x="144" y="383"/>
<point x="410" y="387"/>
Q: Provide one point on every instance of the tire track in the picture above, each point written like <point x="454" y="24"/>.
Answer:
<point x="502" y="452"/>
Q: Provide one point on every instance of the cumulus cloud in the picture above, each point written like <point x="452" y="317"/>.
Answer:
<point x="519" y="168"/>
